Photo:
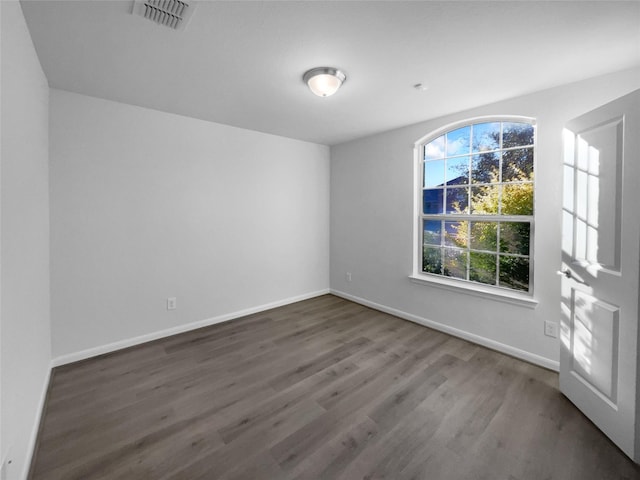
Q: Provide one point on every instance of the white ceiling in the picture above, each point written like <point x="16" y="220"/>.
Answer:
<point x="241" y="62"/>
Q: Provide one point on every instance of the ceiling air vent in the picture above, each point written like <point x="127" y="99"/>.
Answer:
<point x="170" y="13"/>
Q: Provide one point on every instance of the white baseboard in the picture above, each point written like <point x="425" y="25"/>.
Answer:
<point x="129" y="342"/>
<point x="33" y="437"/>
<point x="486" y="342"/>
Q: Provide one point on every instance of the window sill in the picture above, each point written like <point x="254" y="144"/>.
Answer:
<point x="476" y="290"/>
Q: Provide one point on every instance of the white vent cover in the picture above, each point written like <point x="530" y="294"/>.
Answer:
<point x="170" y="13"/>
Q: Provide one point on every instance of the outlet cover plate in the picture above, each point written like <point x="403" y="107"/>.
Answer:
<point x="551" y="329"/>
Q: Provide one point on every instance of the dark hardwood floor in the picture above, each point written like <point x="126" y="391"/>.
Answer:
<point x="321" y="389"/>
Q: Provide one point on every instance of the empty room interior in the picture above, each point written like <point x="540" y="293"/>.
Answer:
<point x="319" y="240"/>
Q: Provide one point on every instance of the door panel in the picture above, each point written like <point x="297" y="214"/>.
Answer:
<point x="601" y="243"/>
<point x="594" y="327"/>
<point x="598" y="216"/>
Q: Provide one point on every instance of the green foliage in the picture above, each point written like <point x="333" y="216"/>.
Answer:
<point x="482" y="268"/>
<point x="517" y="199"/>
<point x="514" y="272"/>
<point x="432" y="260"/>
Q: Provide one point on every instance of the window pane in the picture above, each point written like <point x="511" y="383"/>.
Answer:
<point x="434" y="149"/>
<point x="514" y="237"/>
<point x="482" y="267"/>
<point x="516" y="134"/>
<point x="484" y="236"/>
<point x="514" y="272"/>
<point x="455" y="234"/>
<point x="432" y="201"/>
<point x="432" y="260"/>
<point x="455" y="263"/>
<point x="458" y="200"/>
<point x="486" y="136"/>
<point x="485" y="168"/>
<point x="484" y="200"/>
<point x="517" y="199"/>
<point x="459" y="141"/>
<point x="458" y="171"/>
<point x="517" y="165"/>
<point x="434" y="174"/>
<point x="432" y="232"/>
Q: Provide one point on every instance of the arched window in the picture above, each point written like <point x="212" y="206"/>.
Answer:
<point x="476" y="203"/>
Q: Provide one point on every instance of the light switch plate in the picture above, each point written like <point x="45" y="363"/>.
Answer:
<point x="171" y="303"/>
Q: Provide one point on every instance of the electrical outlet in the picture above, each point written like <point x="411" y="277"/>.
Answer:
<point x="348" y="275"/>
<point x="171" y="303"/>
<point x="551" y="329"/>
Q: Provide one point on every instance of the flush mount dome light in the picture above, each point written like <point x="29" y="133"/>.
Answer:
<point x="324" y="81"/>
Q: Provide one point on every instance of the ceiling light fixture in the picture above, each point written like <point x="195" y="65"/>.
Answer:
<point x="324" y="81"/>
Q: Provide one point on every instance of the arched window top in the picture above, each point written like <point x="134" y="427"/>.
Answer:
<point x="480" y="122"/>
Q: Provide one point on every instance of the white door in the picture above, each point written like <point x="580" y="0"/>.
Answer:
<point x="600" y="261"/>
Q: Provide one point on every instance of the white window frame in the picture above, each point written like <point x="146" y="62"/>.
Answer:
<point x="454" y="284"/>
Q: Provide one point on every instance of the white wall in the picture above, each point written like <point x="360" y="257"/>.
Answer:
<point x="147" y="205"/>
<point x="26" y="341"/>
<point x="372" y="223"/>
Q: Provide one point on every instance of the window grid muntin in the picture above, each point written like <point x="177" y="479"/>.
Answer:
<point x="498" y="218"/>
<point x="471" y="154"/>
<point x="500" y="183"/>
<point x="468" y="250"/>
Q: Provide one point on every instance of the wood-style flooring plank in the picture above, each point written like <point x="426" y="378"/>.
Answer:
<point x="323" y="389"/>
